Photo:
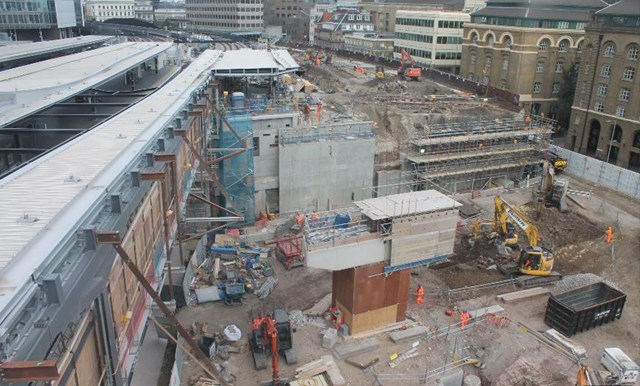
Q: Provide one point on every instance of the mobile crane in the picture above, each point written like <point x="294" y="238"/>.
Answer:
<point x="405" y="72"/>
<point x="535" y="263"/>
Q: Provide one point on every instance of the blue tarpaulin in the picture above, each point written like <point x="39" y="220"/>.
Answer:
<point x="341" y="221"/>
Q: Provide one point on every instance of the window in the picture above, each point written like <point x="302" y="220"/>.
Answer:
<point x="485" y="79"/>
<point x="544" y="45"/>
<point x="505" y="63"/>
<point x="602" y="89"/>
<point x="540" y="66"/>
<point x="487" y="61"/>
<point x="624" y="94"/>
<point x="629" y="72"/>
<point x="580" y="46"/>
<point x="490" y="40"/>
<point x="620" y="110"/>
<point x="563" y="46"/>
<point x="474" y="38"/>
<point x="632" y="53"/>
<point x="507" y="42"/>
<point x="599" y="107"/>
<point x="503" y="83"/>
<point x="609" y="50"/>
<point x="556" y="88"/>
<point x="559" y="65"/>
<point x="537" y="87"/>
<point x="605" y="71"/>
<point x="470" y="77"/>
<point x="473" y="59"/>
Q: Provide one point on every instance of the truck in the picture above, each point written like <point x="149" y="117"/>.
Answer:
<point x="620" y="365"/>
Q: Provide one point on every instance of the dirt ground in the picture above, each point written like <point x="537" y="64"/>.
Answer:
<point x="510" y="353"/>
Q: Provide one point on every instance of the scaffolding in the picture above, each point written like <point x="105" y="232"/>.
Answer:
<point x="470" y="155"/>
<point x="328" y="132"/>
<point x="237" y="172"/>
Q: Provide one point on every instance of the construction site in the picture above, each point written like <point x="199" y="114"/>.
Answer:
<point x="274" y="219"/>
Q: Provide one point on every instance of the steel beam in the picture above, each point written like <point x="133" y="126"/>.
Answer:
<point x="132" y="95"/>
<point x="22" y="150"/>
<point x="29" y="371"/>
<point x="19" y="131"/>
<point x="87" y="115"/>
<point x="91" y="104"/>
<point x="213" y="219"/>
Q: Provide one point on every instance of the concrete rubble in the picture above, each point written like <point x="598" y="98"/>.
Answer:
<point x="329" y="338"/>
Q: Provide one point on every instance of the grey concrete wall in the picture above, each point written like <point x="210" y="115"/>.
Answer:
<point x="325" y="175"/>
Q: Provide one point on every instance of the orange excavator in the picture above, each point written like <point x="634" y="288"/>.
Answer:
<point x="271" y="334"/>
<point x="412" y="72"/>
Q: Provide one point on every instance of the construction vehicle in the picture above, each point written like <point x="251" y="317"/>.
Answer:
<point x="553" y="190"/>
<point x="412" y="72"/>
<point x="380" y="72"/>
<point x="559" y="163"/>
<point x="535" y="263"/>
<point x="584" y="378"/>
<point x="272" y="335"/>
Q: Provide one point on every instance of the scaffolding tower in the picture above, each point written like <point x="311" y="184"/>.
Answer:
<point x="470" y="155"/>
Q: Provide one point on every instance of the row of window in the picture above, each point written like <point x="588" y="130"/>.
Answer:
<point x="33" y="6"/>
<point x="111" y="7"/>
<point x="559" y="66"/>
<point x="555" y="88"/>
<point x="218" y="2"/>
<point x="414" y="52"/>
<point x="449" y="55"/>
<point x="620" y="110"/>
<point x="449" y="40"/>
<point x="43" y="19"/>
<point x="223" y="17"/>
<point x="532" y="23"/>
<point x="609" y="51"/>
<point x="226" y="9"/>
<point x="414" y="37"/>
<point x="115" y="14"/>
<point x="414" y="22"/>
<point x="628" y="74"/>
<point x="228" y="25"/>
<point x="624" y="94"/>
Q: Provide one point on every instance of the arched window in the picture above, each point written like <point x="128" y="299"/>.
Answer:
<point x="633" y="52"/>
<point x="490" y="40"/>
<point x="609" y="50"/>
<point x="617" y="134"/>
<point x="507" y="42"/>
<point x="474" y="38"/>
<point x="636" y="139"/>
<point x="580" y="46"/>
<point x="544" y="45"/>
<point x="563" y="46"/>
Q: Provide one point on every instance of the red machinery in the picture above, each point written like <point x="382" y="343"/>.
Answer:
<point x="289" y="251"/>
<point x="271" y="334"/>
<point x="405" y="72"/>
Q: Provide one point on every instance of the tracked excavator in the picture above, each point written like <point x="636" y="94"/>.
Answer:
<point x="408" y="72"/>
<point x="535" y="263"/>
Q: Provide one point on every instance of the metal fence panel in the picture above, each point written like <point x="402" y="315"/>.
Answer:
<point x="613" y="177"/>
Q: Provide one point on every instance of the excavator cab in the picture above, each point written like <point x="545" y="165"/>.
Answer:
<point x="536" y="261"/>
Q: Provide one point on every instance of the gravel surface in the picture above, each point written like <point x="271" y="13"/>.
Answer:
<point x="571" y="282"/>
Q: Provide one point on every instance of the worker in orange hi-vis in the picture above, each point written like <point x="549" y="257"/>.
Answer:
<point x="609" y="234"/>
<point x="420" y="292"/>
<point x="464" y="319"/>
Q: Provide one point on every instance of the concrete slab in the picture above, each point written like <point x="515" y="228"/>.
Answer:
<point x="353" y="348"/>
<point x="486" y="310"/>
<point x="408" y="334"/>
<point x="566" y="343"/>
<point x="518" y="295"/>
<point x="147" y="370"/>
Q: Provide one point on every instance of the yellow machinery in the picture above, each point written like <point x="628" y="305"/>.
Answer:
<point x="534" y="260"/>
<point x="380" y="72"/>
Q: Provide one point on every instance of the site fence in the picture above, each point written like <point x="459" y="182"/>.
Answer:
<point x="602" y="173"/>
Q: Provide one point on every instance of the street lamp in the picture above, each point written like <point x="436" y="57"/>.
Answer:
<point x="613" y="131"/>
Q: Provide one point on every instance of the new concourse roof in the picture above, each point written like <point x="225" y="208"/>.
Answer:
<point x="248" y="62"/>
<point x="31" y="88"/>
<point x="41" y="204"/>
<point x="27" y="50"/>
<point x="404" y="204"/>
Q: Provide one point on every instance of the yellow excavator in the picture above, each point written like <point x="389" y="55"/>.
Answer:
<point x="535" y="263"/>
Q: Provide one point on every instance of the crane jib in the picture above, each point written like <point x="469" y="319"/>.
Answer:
<point x="517" y="219"/>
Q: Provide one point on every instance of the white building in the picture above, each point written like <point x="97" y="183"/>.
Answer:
<point x="101" y="10"/>
<point x="432" y="38"/>
<point x="144" y="10"/>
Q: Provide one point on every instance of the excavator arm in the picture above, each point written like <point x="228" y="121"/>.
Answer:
<point x="505" y="212"/>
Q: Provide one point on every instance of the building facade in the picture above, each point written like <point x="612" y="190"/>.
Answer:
<point x="525" y="47"/>
<point x="432" y="38"/>
<point x="332" y="28"/>
<point x="101" y="10"/>
<point x="214" y="16"/>
<point x="282" y="12"/>
<point x="370" y="45"/>
<point x="39" y="19"/>
<point x="144" y="10"/>
<point x="605" y="117"/>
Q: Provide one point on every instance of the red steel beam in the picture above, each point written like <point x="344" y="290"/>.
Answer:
<point x="29" y="371"/>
